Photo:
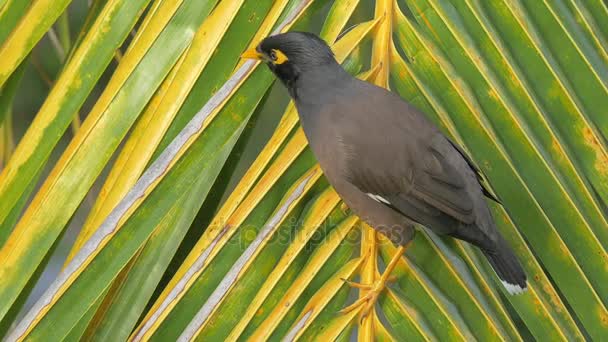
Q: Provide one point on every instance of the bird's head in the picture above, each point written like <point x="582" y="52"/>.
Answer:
<point x="289" y="55"/>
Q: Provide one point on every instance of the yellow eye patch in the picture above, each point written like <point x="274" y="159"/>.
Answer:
<point x="278" y="57"/>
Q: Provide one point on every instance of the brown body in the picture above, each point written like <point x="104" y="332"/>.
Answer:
<point x="426" y="180"/>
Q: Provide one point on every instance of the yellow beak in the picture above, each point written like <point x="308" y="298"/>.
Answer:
<point x="252" y="54"/>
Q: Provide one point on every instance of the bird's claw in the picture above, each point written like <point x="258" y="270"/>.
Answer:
<point x="373" y="291"/>
<point x="369" y="299"/>
<point x="357" y="285"/>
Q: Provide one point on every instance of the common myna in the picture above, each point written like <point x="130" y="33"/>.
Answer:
<point x="385" y="159"/>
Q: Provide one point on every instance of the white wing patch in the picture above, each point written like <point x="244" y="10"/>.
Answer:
<point x="513" y="289"/>
<point x="378" y="198"/>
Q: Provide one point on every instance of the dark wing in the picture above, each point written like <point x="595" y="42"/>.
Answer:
<point x="431" y="189"/>
<point x="398" y="156"/>
<point x="474" y="167"/>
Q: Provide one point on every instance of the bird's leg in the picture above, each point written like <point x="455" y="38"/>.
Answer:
<point x="373" y="290"/>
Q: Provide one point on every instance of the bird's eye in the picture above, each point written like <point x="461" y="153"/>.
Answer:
<point x="277" y="56"/>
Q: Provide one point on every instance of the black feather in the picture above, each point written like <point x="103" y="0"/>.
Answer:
<point x="475" y="168"/>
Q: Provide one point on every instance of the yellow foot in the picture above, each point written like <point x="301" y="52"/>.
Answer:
<point x="373" y="290"/>
<point x="368" y="300"/>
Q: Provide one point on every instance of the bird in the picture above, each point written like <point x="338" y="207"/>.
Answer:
<point x="386" y="160"/>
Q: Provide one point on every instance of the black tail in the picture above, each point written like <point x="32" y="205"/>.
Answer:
<point x="507" y="267"/>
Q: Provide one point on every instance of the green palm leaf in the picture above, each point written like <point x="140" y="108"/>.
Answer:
<point x="201" y="230"/>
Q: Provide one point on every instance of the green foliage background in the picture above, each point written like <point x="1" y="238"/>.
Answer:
<point x="155" y="186"/>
